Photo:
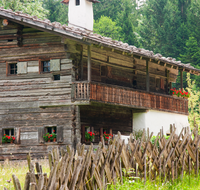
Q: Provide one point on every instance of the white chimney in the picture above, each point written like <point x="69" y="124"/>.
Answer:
<point x="80" y="13"/>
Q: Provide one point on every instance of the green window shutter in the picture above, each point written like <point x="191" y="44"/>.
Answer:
<point x="55" y="65"/>
<point x="21" y="67"/>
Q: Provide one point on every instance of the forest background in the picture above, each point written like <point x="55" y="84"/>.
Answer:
<point x="168" y="27"/>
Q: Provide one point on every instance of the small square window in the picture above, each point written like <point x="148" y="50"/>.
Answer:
<point x="56" y="77"/>
<point x="46" y="66"/>
<point x="9" y="132"/>
<point x="51" y="130"/>
<point x="77" y="2"/>
<point x="8" y="136"/>
<point x="13" y="68"/>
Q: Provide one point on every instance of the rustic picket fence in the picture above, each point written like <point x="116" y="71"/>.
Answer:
<point x="94" y="169"/>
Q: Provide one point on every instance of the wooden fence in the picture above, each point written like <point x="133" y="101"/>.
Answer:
<point x="165" y="159"/>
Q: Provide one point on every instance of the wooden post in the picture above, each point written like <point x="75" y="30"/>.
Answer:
<point x="89" y="63"/>
<point x="181" y="78"/>
<point x="147" y="76"/>
<point x="82" y="65"/>
<point x="172" y="170"/>
<point x="197" y="162"/>
<point x="145" y="167"/>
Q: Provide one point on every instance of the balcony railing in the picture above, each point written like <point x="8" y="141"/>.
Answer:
<point x="128" y="97"/>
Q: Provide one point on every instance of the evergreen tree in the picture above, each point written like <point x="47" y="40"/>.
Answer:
<point x="106" y="27"/>
<point x="160" y="29"/>
<point x="109" y="8"/>
<point x="31" y="7"/>
<point x="127" y="19"/>
<point x="57" y="11"/>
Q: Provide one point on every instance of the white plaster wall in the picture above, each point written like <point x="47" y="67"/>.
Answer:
<point x="81" y="15"/>
<point x="154" y="120"/>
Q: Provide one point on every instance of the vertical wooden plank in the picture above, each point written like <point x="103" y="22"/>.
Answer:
<point x="40" y="134"/>
<point x="89" y="63"/>
<point x="59" y="134"/>
<point x="181" y="78"/>
<point x="17" y="135"/>
<point x="172" y="170"/>
<point x="1" y="135"/>
<point x="147" y="76"/>
<point x="145" y="167"/>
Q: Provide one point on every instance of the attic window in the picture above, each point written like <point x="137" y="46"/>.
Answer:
<point x="46" y="66"/>
<point x="10" y="40"/>
<point x="13" y="69"/>
<point x="56" y="77"/>
<point x="77" y="2"/>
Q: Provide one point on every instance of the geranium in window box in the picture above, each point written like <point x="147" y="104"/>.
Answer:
<point x="8" y="139"/>
<point x="107" y="136"/>
<point x="89" y="136"/>
<point x="47" y="137"/>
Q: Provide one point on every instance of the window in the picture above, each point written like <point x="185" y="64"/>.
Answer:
<point x="56" y="77"/>
<point x="13" y="68"/>
<point x="77" y="2"/>
<point x="46" y="66"/>
<point x="51" y="130"/>
<point x="9" y="132"/>
<point x="55" y="131"/>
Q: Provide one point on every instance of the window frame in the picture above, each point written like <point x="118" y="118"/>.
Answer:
<point x="16" y="134"/>
<point x="41" y="66"/>
<point x="8" y="68"/>
<point x="77" y="2"/>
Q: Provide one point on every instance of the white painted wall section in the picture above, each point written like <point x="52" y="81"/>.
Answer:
<point x="80" y="15"/>
<point x="154" y="120"/>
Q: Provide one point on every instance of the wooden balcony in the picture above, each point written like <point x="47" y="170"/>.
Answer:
<point x="128" y="97"/>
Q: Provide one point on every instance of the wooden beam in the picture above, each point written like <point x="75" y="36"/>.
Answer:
<point x="89" y="63"/>
<point x="147" y="76"/>
<point x="181" y="78"/>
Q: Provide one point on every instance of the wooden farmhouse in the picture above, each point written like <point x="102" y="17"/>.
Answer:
<point x="68" y="80"/>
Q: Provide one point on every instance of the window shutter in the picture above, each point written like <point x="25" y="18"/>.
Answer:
<point x="17" y="135"/>
<point x="55" y="65"/>
<point x="1" y="135"/>
<point x="40" y="135"/>
<point x="162" y="84"/>
<point x="83" y="133"/>
<point x="21" y="67"/>
<point x="59" y="134"/>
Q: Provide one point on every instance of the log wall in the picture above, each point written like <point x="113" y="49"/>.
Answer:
<point x="30" y="101"/>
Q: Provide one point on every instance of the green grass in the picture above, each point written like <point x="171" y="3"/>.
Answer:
<point x="188" y="182"/>
<point x="19" y="168"/>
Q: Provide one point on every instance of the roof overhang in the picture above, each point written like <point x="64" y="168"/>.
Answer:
<point x="88" y="37"/>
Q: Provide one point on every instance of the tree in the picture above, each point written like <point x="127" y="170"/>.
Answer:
<point x="193" y="104"/>
<point x="106" y="27"/>
<point x="127" y="19"/>
<point x="162" y="28"/>
<point x="57" y="11"/>
<point x="108" y="8"/>
<point x="31" y="7"/>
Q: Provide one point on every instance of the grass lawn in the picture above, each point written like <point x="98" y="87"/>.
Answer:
<point x="19" y="168"/>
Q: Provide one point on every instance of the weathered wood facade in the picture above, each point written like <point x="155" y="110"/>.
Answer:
<point x="89" y="84"/>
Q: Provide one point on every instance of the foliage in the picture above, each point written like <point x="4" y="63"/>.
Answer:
<point x="89" y="136"/>
<point x="57" y="11"/>
<point x="50" y="137"/>
<point x="107" y="136"/>
<point x="32" y="7"/>
<point x="7" y="138"/>
<point x="154" y="138"/>
<point x="106" y="27"/>
<point x="193" y="104"/>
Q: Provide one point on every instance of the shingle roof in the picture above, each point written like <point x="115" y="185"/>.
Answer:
<point x="89" y="37"/>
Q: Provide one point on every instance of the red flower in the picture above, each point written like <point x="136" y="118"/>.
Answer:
<point x="51" y="135"/>
<point x="104" y="132"/>
<point x="53" y="131"/>
<point x="107" y="137"/>
<point x="90" y="134"/>
<point x="4" y="134"/>
<point x="93" y="133"/>
<point x="13" y="138"/>
<point x="8" y="137"/>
